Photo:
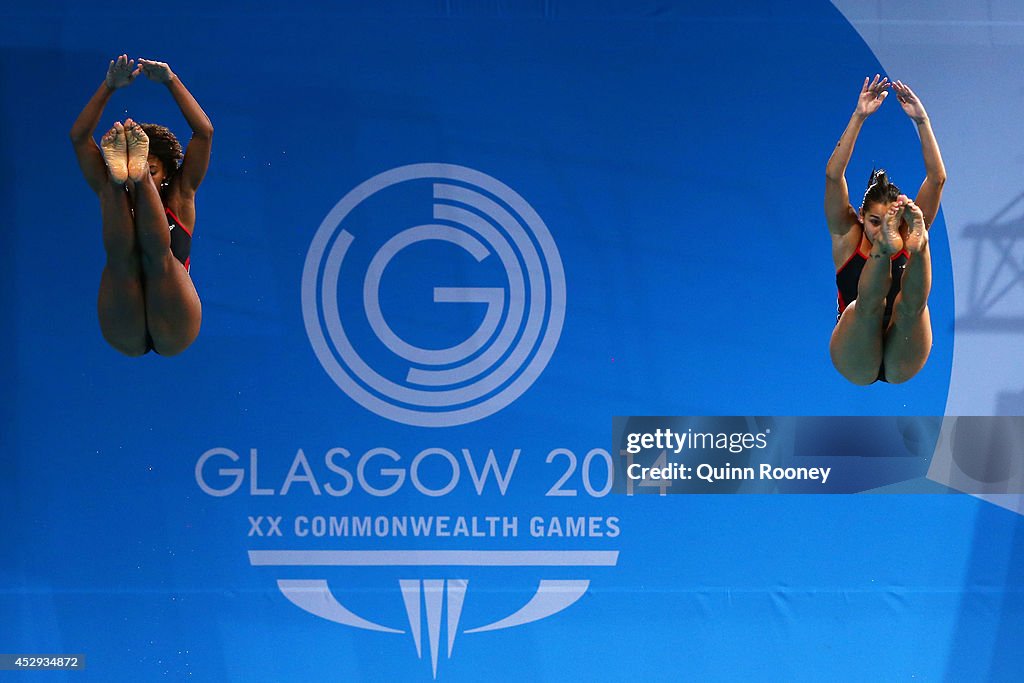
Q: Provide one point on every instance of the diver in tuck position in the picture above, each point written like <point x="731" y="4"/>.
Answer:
<point x="883" y="266"/>
<point x="147" y="300"/>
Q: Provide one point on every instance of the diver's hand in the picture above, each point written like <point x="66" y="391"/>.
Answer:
<point x="872" y="94"/>
<point x="156" y="71"/>
<point x="120" y="72"/>
<point x="910" y="102"/>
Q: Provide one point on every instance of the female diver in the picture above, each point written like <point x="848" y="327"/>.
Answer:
<point x="883" y="267"/>
<point x="147" y="299"/>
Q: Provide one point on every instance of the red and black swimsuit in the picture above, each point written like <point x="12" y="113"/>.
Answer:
<point x="181" y="238"/>
<point x="848" y="277"/>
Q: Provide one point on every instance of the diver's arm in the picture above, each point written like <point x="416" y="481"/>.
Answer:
<point x="90" y="160"/>
<point x="930" y="194"/>
<point x="85" y="125"/>
<point x="838" y="211"/>
<point x="197" y="154"/>
<point x="837" y="194"/>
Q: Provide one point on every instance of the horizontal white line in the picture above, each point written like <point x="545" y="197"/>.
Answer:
<point x="434" y="558"/>
<point x="972" y="23"/>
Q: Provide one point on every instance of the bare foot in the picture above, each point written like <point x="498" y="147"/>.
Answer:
<point x="114" y="148"/>
<point x="917" y="233"/>
<point x="138" y="150"/>
<point x="885" y="238"/>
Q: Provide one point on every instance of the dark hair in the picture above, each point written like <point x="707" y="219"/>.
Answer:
<point x="880" y="190"/>
<point x="164" y="146"/>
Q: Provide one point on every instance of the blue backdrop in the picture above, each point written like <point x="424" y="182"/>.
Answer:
<point x="674" y="154"/>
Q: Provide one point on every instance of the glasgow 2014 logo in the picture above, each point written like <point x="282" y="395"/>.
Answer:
<point x="382" y="370"/>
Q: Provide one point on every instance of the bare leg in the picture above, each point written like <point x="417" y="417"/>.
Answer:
<point x="173" y="311"/>
<point x="121" y="301"/>
<point x="908" y="341"/>
<point x="856" y="345"/>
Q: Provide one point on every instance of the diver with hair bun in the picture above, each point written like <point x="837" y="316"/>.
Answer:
<point x="146" y="300"/>
<point x="883" y="266"/>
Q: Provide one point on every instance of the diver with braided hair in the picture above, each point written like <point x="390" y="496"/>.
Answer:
<point x="883" y="266"/>
<point x="146" y="300"/>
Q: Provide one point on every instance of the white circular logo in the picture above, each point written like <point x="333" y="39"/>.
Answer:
<point x="388" y="373"/>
